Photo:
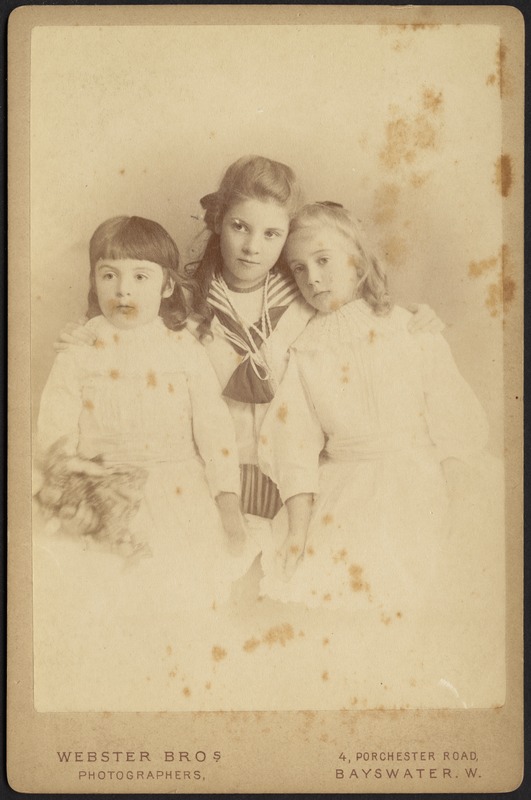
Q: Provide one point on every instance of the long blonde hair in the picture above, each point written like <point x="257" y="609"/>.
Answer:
<point x="372" y="284"/>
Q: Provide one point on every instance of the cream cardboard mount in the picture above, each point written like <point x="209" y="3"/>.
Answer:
<point x="414" y="118"/>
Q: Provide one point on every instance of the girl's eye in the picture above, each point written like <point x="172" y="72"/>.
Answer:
<point x="297" y="269"/>
<point x="141" y="277"/>
<point x="323" y="260"/>
<point x="238" y="226"/>
<point x="107" y="276"/>
<point x="271" y="234"/>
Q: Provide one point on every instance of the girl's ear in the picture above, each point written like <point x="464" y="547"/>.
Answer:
<point x="168" y="289"/>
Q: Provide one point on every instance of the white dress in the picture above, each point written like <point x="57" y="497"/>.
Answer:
<point x="146" y="397"/>
<point x="364" y="417"/>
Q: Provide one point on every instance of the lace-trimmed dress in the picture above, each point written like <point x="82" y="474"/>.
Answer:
<point x="364" y="417"/>
<point x="148" y="397"/>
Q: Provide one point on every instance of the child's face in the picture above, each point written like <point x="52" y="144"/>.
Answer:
<point x="130" y="291"/>
<point x="252" y="235"/>
<point x="323" y="267"/>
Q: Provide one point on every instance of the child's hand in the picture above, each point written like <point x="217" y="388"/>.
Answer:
<point x="291" y="553"/>
<point x="74" y="333"/>
<point x="424" y="319"/>
<point x="232" y="521"/>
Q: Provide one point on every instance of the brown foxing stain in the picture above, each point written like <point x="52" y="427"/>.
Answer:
<point x="413" y="682"/>
<point x="406" y="136"/>
<point x="417" y="180"/>
<point x="395" y="250"/>
<point x="115" y="338"/>
<point x="387" y="30"/>
<point x="491" y="79"/>
<point x="327" y="597"/>
<point x="432" y="100"/>
<point x="326" y="641"/>
<point x="310" y="551"/>
<point x="477" y="268"/>
<point x="170" y="388"/>
<point x="399" y="615"/>
<point x="279" y="634"/>
<point x="186" y="691"/>
<point x="208" y="685"/>
<point x="372" y="335"/>
<point x="263" y="439"/>
<point x="345" y="368"/>
<point x="325" y="676"/>
<point x="501" y="56"/>
<point x="345" y="379"/>
<point x="385" y="619"/>
<point x="356" y="583"/>
<point x="178" y="490"/>
<point x="354" y="701"/>
<point x="121" y="171"/>
<point x="385" y="203"/>
<point x="151" y="379"/>
<point x="501" y="294"/>
<point x="225" y="452"/>
<point x="503" y="175"/>
<point x="218" y="653"/>
<point x="323" y="737"/>
<point x="282" y="412"/>
<point x="335" y="305"/>
<point x="295" y="549"/>
<point x="327" y="519"/>
<point x="89" y="405"/>
<point x="99" y="344"/>
<point x="250" y="645"/>
<point x="341" y="555"/>
<point x="302" y="634"/>
<point x="168" y="650"/>
<point x="114" y="374"/>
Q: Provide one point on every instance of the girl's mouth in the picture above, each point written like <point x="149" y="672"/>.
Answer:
<point x="125" y="309"/>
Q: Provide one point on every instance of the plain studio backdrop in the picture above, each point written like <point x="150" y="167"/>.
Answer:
<point x="403" y="124"/>
<point x="400" y="123"/>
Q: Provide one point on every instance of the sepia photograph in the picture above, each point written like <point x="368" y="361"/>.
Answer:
<point x="267" y="377"/>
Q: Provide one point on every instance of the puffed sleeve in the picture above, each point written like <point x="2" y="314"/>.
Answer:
<point x="291" y="437"/>
<point x="213" y="428"/>
<point x="456" y="421"/>
<point x="61" y="405"/>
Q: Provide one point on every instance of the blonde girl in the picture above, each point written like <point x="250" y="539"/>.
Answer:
<point x="368" y="430"/>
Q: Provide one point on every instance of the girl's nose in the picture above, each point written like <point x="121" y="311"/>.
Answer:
<point x="123" y="288"/>
<point x="251" y="244"/>
<point x="314" y="275"/>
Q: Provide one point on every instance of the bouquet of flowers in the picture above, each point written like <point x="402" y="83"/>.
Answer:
<point x="93" y="501"/>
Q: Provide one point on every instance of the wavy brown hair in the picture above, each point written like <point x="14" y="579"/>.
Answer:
<point x="248" y="178"/>
<point x="143" y="240"/>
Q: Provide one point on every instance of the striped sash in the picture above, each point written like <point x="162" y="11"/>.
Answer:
<point x="259" y="495"/>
